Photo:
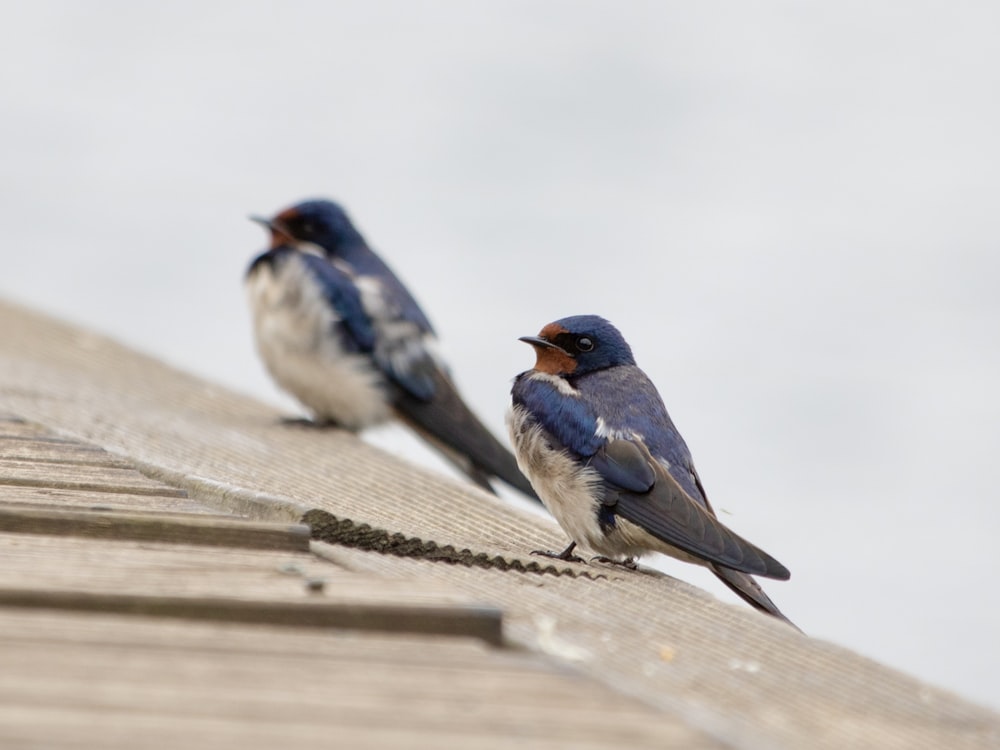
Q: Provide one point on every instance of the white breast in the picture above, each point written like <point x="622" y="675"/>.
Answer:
<point x="293" y="326"/>
<point x="569" y="491"/>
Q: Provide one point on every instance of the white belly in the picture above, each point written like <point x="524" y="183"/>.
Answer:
<point x="572" y="493"/>
<point x="293" y="326"/>
<point x="569" y="491"/>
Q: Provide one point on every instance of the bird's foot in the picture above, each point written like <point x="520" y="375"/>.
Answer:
<point x="628" y="563"/>
<point x="566" y="555"/>
<point x="558" y="555"/>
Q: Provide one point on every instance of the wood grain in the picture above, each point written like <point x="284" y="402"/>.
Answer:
<point x="97" y="680"/>
<point x="219" y="531"/>
<point x="82" y="477"/>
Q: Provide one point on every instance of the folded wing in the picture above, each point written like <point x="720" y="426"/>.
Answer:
<point x="640" y="490"/>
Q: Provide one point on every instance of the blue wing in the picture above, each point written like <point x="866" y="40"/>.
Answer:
<point x="629" y="403"/>
<point x="403" y="358"/>
<point x="341" y="292"/>
<point x="569" y="419"/>
<point x="639" y="489"/>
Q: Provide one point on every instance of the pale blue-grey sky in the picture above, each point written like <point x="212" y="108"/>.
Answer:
<point x="790" y="210"/>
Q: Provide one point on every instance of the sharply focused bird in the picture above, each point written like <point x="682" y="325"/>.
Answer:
<point x="338" y="331"/>
<point x="591" y="432"/>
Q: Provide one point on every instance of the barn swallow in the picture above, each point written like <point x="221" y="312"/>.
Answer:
<point x="338" y="330"/>
<point x="590" y="431"/>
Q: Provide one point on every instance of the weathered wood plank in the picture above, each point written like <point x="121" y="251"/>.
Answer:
<point x="455" y="620"/>
<point x="57" y="498"/>
<point x="158" y="683"/>
<point x="218" y="531"/>
<point x="13" y="426"/>
<point x="82" y="477"/>
<point x="56" y="450"/>
<point x="225" y="584"/>
<point x="38" y="562"/>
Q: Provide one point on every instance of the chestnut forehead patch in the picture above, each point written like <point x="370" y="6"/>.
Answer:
<point x="552" y="330"/>
<point x="279" y="237"/>
<point x="279" y="228"/>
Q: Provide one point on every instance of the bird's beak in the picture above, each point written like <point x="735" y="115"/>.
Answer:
<point x="549" y="357"/>
<point x="279" y="233"/>
<point x="538" y="341"/>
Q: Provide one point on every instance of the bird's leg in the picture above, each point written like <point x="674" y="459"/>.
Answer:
<point x="566" y="555"/>
<point x="628" y="562"/>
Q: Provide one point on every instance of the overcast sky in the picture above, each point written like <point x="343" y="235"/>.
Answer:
<point x="789" y="209"/>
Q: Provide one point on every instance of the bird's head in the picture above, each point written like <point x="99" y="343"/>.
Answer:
<point x="319" y="222"/>
<point x="578" y="345"/>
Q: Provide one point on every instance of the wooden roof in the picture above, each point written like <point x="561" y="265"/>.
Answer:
<point x="159" y="588"/>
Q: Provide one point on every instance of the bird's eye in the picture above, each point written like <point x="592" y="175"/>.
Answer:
<point x="584" y="343"/>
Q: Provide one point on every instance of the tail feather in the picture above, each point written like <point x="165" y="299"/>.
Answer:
<point x="456" y="458"/>
<point x="750" y="591"/>
<point x="448" y="424"/>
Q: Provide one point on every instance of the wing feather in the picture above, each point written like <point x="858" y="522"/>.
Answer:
<point x="667" y="512"/>
<point x="447" y="418"/>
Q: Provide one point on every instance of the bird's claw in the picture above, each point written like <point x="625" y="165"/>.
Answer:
<point x="558" y="556"/>
<point x="566" y="555"/>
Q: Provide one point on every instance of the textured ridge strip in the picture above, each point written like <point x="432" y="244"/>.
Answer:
<point x="326" y="527"/>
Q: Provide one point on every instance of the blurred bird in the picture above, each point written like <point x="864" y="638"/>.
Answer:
<point x="592" y="434"/>
<point x="338" y="330"/>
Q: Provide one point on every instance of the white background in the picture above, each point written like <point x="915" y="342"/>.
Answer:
<point x="790" y="210"/>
